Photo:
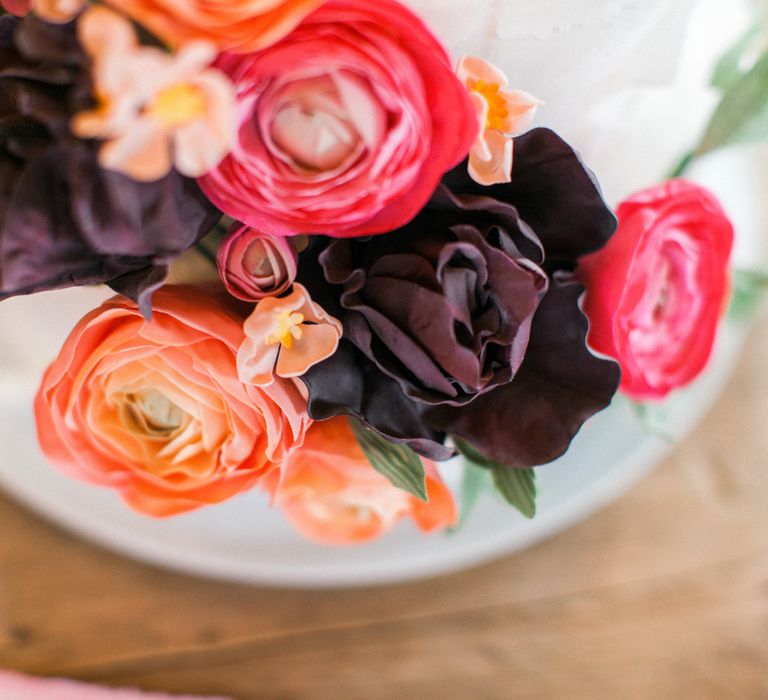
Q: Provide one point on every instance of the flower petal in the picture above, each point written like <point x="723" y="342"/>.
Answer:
<point x="316" y="344"/>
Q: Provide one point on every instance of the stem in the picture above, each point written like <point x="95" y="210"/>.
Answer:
<point x="207" y="254"/>
<point x="682" y="167"/>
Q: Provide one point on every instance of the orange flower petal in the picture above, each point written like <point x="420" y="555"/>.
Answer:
<point x="332" y="495"/>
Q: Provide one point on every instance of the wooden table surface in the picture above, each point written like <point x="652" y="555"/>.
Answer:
<point x="662" y="595"/>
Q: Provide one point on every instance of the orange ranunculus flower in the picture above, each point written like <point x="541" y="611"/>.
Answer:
<point x="236" y="25"/>
<point x="155" y="408"/>
<point x="331" y="494"/>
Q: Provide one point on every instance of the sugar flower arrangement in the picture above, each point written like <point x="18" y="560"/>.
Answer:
<point x="402" y="262"/>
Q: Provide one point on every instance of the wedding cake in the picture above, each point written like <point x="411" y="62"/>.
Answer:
<point x="405" y="210"/>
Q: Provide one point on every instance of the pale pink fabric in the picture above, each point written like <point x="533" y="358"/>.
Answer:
<point x="14" y="686"/>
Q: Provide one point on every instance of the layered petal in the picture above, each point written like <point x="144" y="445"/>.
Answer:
<point x="155" y="409"/>
<point x="657" y="291"/>
<point x="254" y="265"/>
<point x="332" y="495"/>
<point x="345" y="126"/>
<point x="533" y="419"/>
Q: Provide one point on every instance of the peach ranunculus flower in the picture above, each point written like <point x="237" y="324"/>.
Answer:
<point x="234" y="25"/>
<point x="286" y="336"/>
<point x="501" y="113"/>
<point x="156" y="110"/>
<point x="155" y="409"/>
<point x="331" y="494"/>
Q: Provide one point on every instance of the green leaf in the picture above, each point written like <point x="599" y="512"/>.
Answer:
<point x="749" y="290"/>
<point x="742" y="115"/>
<point x="653" y="418"/>
<point x="474" y="482"/>
<point x="730" y="67"/>
<point x="682" y="166"/>
<point x="399" y="463"/>
<point x="517" y="486"/>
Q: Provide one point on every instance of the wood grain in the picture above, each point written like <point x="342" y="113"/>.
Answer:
<point x="662" y="595"/>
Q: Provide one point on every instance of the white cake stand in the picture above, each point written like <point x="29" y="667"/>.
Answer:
<point x="243" y="540"/>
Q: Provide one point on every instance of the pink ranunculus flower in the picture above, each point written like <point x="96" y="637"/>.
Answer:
<point x="657" y="291"/>
<point x="155" y="409"/>
<point x="502" y="114"/>
<point x="346" y="126"/>
<point x="254" y="266"/>
<point x="286" y="336"/>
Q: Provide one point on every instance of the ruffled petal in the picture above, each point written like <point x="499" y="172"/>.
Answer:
<point x="533" y="419"/>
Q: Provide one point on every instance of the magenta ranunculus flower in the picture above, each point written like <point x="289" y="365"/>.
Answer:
<point x="345" y="126"/>
<point x="657" y="291"/>
<point x="254" y="266"/>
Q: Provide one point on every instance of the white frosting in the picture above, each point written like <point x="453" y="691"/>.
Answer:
<point x="608" y="70"/>
<point x="564" y="46"/>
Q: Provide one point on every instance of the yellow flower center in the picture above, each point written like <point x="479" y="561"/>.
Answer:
<point x="150" y="412"/>
<point x="497" y="105"/>
<point x="287" y="330"/>
<point x="178" y="105"/>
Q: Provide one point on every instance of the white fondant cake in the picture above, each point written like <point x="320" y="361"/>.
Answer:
<point x="625" y="81"/>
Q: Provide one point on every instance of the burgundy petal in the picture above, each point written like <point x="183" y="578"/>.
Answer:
<point x="554" y="193"/>
<point x="71" y="223"/>
<point x="533" y="419"/>
<point x="64" y="220"/>
<point x="348" y="384"/>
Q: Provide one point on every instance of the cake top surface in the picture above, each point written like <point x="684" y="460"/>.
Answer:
<point x="515" y="19"/>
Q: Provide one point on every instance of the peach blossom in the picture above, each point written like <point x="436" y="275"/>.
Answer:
<point x="155" y="409"/>
<point x="286" y="336"/>
<point x="238" y="25"/>
<point x="156" y="110"/>
<point x="331" y="494"/>
<point x="501" y="115"/>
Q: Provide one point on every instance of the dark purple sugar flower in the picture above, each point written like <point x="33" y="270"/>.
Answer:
<point x="444" y="305"/>
<point x="64" y="220"/>
<point x="466" y="321"/>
